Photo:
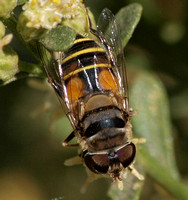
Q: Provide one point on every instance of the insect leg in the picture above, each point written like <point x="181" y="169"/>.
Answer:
<point x="87" y="15"/>
<point x="73" y="161"/>
<point x="68" y="139"/>
<point x="133" y="171"/>
<point x="138" y="140"/>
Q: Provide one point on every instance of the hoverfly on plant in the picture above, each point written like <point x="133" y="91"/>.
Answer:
<point x="90" y="81"/>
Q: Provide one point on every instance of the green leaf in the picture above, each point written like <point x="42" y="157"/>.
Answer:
<point x="128" y="18"/>
<point x="60" y="38"/>
<point x="152" y="122"/>
<point x="164" y="176"/>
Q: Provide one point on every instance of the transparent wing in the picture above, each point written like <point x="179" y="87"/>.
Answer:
<point x="107" y="26"/>
<point x="53" y="68"/>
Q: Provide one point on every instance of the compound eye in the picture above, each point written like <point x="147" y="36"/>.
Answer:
<point x="97" y="163"/>
<point x="126" y="155"/>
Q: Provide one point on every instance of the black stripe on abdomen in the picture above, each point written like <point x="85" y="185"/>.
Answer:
<point x="86" y="59"/>
<point x="94" y="128"/>
<point x="81" y="45"/>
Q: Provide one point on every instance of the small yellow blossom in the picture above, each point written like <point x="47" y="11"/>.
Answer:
<point x="48" y="13"/>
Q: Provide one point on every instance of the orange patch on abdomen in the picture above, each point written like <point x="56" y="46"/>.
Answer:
<point x="107" y="80"/>
<point x="75" y="89"/>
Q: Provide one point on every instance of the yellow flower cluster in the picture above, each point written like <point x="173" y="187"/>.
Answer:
<point x="48" y="13"/>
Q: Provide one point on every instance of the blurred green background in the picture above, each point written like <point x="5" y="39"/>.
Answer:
<point x="31" y="161"/>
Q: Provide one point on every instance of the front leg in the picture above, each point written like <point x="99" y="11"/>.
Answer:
<point x="133" y="171"/>
<point x="68" y="139"/>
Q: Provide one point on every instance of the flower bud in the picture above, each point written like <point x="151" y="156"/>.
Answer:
<point x="8" y="59"/>
<point x="8" y="63"/>
<point x="6" y="7"/>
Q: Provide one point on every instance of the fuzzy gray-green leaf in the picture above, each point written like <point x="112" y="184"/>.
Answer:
<point x="60" y="38"/>
<point x="152" y="122"/>
<point x="128" y="18"/>
<point x="164" y="176"/>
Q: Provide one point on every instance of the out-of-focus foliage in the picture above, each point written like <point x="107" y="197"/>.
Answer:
<point x="156" y="57"/>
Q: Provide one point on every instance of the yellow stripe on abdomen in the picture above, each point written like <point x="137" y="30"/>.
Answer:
<point x="89" y="50"/>
<point x="82" y="40"/>
<point x="85" y="68"/>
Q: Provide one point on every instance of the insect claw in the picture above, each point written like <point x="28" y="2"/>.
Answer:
<point x="132" y="112"/>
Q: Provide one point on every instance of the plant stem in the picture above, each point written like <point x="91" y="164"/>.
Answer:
<point x="163" y="177"/>
<point x="31" y="68"/>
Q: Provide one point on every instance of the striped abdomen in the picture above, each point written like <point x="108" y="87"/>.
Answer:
<point x="87" y="70"/>
<point x="104" y="128"/>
